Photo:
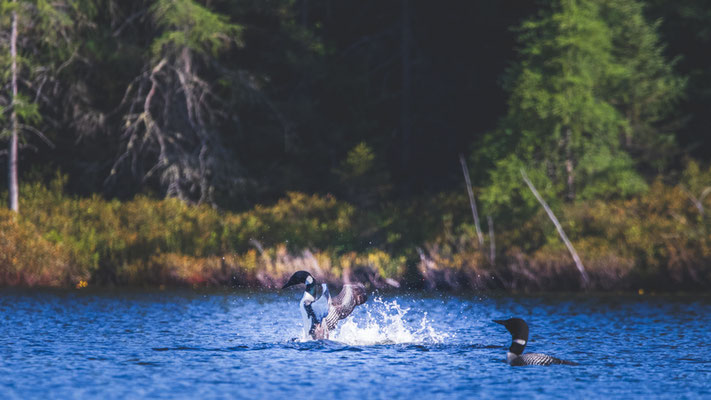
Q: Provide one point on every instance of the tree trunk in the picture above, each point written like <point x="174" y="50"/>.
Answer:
<point x="569" y="165"/>
<point x="12" y="159"/>
<point x="472" y="202"/>
<point x="492" y="241"/>
<point x="561" y="232"/>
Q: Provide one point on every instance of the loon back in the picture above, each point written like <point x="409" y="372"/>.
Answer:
<point x="519" y="338"/>
<point x="538" y="359"/>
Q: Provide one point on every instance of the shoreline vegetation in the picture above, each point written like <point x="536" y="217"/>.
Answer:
<point x="659" y="240"/>
<point x="186" y="143"/>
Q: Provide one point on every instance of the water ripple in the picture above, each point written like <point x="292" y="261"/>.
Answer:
<point x="188" y="345"/>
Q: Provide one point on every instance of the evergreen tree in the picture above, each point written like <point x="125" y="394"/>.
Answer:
<point x="577" y="93"/>
<point x="646" y="90"/>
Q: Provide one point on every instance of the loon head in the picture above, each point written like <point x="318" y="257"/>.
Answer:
<point x="298" y="278"/>
<point x="313" y="290"/>
<point x="519" y="334"/>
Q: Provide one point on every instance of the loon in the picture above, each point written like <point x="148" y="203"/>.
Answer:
<point x="319" y="311"/>
<point x="519" y="334"/>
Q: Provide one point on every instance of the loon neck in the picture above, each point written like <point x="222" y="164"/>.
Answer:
<point x="314" y="290"/>
<point x="517" y="346"/>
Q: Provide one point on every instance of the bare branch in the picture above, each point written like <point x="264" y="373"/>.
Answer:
<point x="68" y="62"/>
<point x="472" y="202"/>
<point x="563" y="236"/>
<point x="698" y="202"/>
<point x="492" y="241"/>
<point x="38" y="133"/>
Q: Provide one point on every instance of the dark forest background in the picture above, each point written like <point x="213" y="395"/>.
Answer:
<point x="239" y="107"/>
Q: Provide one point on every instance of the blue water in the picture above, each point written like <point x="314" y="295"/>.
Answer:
<point x="118" y="344"/>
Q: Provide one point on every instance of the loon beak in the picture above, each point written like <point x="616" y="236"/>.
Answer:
<point x="293" y="281"/>
<point x="500" y="322"/>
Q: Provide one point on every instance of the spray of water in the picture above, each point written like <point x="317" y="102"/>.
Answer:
<point x="386" y="323"/>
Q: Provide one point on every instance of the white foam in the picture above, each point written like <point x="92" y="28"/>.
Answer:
<point x="385" y="323"/>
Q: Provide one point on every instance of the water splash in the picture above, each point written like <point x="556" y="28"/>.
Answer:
<point x="386" y="323"/>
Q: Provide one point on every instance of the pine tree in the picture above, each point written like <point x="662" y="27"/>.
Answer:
<point x="646" y="90"/>
<point x="579" y="90"/>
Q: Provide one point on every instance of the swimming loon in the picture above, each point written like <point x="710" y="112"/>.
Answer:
<point x="319" y="311"/>
<point x="519" y="334"/>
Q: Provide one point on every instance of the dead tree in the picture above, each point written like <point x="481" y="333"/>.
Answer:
<point x="472" y="201"/>
<point x="169" y="131"/>
<point x="12" y="156"/>
<point x="492" y="241"/>
<point x="563" y="236"/>
<point x="698" y="202"/>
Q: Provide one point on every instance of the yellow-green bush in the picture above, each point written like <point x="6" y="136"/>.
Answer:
<point x="27" y="259"/>
<point x="661" y="238"/>
<point x="300" y="220"/>
<point x="147" y="241"/>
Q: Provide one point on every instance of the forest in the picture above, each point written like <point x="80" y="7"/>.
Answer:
<point x="216" y="143"/>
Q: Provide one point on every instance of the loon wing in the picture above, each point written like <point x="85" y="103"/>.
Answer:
<point x="322" y="306"/>
<point x="342" y="305"/>
<point x="540" y="359"/>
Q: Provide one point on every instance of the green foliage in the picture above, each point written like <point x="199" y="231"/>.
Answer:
<point x="104" y="238"/>
<point x="557" y="96"/>
<point x="28" y="259"/>
<point x="646" y="90"/>
<point x="660" y="239"/>
<point x="613" y="174"/>
<point x="187" y="24"/>
<point x="359" y="161"/>
<point x="299" y="220"/>
<point x="27" y="111"/>
<point x="31" y="58"/>
<point x="362" y="177"/>
<point x="508" y="198"/>
<point x="46" y="31"/>
<point x="592" y="73"/>
<point x="695" y="178"/>
<point x="282" y="102"/>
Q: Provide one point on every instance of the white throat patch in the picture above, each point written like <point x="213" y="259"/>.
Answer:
<point x="307" y="298"/>
<point x="520" y="341"/>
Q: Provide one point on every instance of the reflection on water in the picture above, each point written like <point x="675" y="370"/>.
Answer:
<point x="82" y="344"/>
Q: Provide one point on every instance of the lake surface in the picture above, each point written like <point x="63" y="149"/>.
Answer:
<point x="238" y="344"/>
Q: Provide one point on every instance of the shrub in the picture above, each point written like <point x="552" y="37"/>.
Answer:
<point x="27" y="259"/>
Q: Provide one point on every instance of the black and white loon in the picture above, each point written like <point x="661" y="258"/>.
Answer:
<point x="319" y="311"/>
<point x="519" y="335"/>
